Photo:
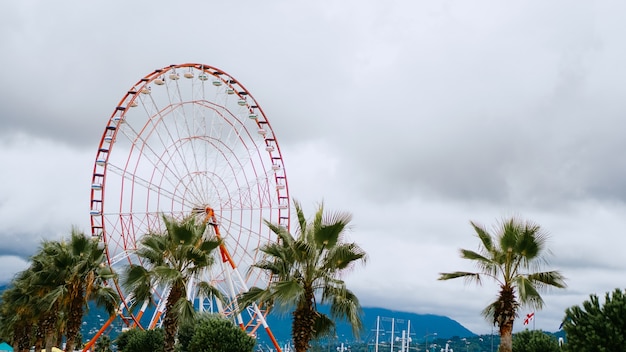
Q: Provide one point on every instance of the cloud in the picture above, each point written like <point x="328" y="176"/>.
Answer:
<point x="11" y="265"/>
<point x="40" y="192"/>
<point x="417" y="117"/>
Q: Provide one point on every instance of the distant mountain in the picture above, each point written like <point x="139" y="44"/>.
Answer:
<point x="389" y="323"/>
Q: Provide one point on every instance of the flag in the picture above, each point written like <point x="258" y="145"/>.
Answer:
<point x="529" y="317"/>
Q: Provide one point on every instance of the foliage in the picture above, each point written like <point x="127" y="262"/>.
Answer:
<point x="534" y="341"/>
<point x="306" y="267"/>
<point x="213" y="333"/>
<point x="78" y="264"/>
<point x="17" y="313"/>
<point x="172" y="259"/>
<point x="122" y="339"/>
<point x="103" y="344"/>
<point x="136" y="340"/>
<point x="185" y="334"/>
<point x="511" y="257"/>
<point x="597" y="326"/>
<point x="48" y="300"/>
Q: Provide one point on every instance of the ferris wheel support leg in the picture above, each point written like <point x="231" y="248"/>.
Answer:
<point x="97" y="335"/>
<point x="271" y="335"/>
<point x="155" y="319"/>
<point x="141" y="311"/>
<point x="160" y="309"/>
<point x="233" y="293"/>
<point x="257" y="311"/>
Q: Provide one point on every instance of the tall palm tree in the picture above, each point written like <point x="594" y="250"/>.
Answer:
<point x="79" y="266"/>
<point x="308" y="267"/>
<point x="512" y="257"/>
<point x="172" y="259"/>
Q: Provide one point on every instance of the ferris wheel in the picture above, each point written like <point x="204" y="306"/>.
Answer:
<point x="190" y="139"/>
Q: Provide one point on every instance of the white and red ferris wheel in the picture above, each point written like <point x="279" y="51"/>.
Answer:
<point x="188" y="139"/>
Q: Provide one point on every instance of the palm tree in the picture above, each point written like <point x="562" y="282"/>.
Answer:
<point x="78" y="268"/>
<point x="308" y="267"/>
<point x="27" y="302"/>
<point x="512" y="257"/>
<point x="60" y="281"/>
<point x="45" y="278"/>
<point x="18" y="314"/>
<point x="172" y="259"/>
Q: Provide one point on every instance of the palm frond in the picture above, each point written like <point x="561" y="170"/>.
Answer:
<point x="468" y="276"/>
<point x="205" y="289"/>
<point x="345" y="306"/>
<point x="341" y="256"/>
<point x="284" y="237"/>
<point x="255" y="295"/>
<point x="471" y="255"/>
<point x="547" y="279"/>
<point x="528" y="294"/>
<point x="304" y="251"/>
<point x="489" y="313"/>
<point x="138" y="280"/>
<point x="509" y="234"/>
<point x="287" y="293"/>
<point x="484" y="236"/>
<point x="328" y="235"/>
<point x="331" y="229"/>
<point x="302" y="222"/>
<point x="153" y="248"/>
<point x="108" y="298"/>
<point x="318" y="221"/>
<point x="209" y="245"/>
<point x="324" y="326"/>
<point x="166" y="275"/>
<point x="186" y="311"/>
<point x="276" y="268"/>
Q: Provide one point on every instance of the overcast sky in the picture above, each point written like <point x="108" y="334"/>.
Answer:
<point x="416" y="116"/>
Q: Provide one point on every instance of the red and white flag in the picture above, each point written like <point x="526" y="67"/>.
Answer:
<point x="529" y="317"/>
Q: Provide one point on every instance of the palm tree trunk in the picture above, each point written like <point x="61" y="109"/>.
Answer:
<point x="22" y="337"/>
<point x="48" y="326"/>
<point x="506" y="338"/>
<point x="40" y="332"/>
<point x="303" y="322"/>
<point x="505" y="311"/>
<point x="170" y="322"/>
<point x="75" y="320"/>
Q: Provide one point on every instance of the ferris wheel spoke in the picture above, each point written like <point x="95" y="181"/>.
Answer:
<point x="159" y="130"/>
<point x="145" y="151"/>
<point x="139" y="181"/>
<point x="168" y="138"/>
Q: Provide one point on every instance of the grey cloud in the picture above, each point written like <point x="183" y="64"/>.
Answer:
<point x="415" y="116"/>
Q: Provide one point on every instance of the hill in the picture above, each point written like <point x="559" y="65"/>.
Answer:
<point x="389" y="323"/>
